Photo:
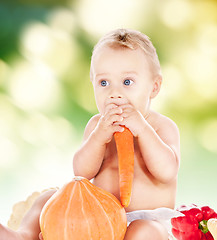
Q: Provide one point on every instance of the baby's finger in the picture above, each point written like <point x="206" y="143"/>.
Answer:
<point x="113" y="111"/>
<point x="119" y="123"/>
<point x="127" y="107"/>
<point x="118" y="128"/>
<point x="114" y="118"/>
<point x="126" y="114"/>
<point x="109" y="107"/>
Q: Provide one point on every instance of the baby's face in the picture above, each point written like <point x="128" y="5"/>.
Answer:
<point x="122" y="76"/>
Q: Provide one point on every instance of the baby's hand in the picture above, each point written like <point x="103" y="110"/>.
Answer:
<point x="132" y="119"/>
<point x="106" y="126"/>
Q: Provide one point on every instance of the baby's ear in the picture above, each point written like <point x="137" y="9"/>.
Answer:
<point x="156" y="86"/>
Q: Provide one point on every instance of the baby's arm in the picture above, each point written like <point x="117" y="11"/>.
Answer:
<point x="159" y="148"/>
<point x="99" y="131"/>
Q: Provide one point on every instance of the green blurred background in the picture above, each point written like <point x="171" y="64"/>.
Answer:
<point x="46" y="97"/>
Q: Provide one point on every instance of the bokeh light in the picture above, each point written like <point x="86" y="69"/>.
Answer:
<point x="51" y="46"/>
<point x="100" y="16"/>
<point x="201" y="69"/>
<point x="176" y="14"/>
<point x="8" y="152"/>
<point x="62" y="19"/>
<point x="34" y="86"/>
<point x="207" y="135"/>
<point x="207" y="39"/>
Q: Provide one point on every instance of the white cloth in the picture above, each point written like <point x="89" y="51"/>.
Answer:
<point x="162" y="215"/>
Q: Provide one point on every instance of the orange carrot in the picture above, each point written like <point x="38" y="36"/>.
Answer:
<point x="125" y="149"/>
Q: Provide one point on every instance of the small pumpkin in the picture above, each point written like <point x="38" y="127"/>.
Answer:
<point x="82" y="211"/>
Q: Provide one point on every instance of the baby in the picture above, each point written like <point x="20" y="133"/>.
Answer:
<point x="125" y="73"/>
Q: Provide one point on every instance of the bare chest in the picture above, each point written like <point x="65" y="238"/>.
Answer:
<point x="108" y="176"/>
<point x="111" y="158"/>
<point x="144" y="184"/>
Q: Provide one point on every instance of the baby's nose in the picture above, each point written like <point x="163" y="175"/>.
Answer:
<point x="115" y="94"/>
<point x="117" y="99"/>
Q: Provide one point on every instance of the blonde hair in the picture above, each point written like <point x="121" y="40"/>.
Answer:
<point x="131" y="39"/>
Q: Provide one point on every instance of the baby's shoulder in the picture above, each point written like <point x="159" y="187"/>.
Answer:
<point x="161" y="122"/>
<point x="94" y="120"/>
<point x="168" y="131"/>
<point x="91" y="125"/>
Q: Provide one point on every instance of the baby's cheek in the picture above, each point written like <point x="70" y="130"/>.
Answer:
<point x="102" y="110"/>
<point x="100" y="105"/>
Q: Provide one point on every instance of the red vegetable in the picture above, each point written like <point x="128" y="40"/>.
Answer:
<point x="193" y="225"/>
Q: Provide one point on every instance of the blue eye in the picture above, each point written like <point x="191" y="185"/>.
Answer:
<point x="128" y="82"/>
<point x="104" y="83"/>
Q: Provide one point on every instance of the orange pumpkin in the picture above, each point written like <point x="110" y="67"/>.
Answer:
<point x="82" y="211"/>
